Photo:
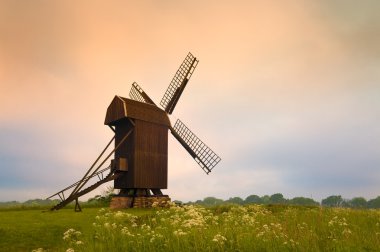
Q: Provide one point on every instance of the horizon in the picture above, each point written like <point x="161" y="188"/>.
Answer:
<point x="224" y="199"/>
<point x="287" y="94"/>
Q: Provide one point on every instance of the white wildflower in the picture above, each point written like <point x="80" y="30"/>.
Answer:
<point x="71" y="235"/>
<point x="346" y="231"/>
<point x="220" y="239"/>
<point x="179" y="232"/>
<point x="38" y="250"/>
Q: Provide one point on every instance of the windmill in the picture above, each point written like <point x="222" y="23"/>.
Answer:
<point x="140" y="165"/>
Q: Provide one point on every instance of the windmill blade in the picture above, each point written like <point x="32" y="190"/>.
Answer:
<point x="138" y="94"/>
<point x="203" y="155"/>
<point x="178" y="84"/>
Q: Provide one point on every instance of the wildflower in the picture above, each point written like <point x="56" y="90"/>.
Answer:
<point x="70" y="250"/>
<point x="79" y="243"/>
<point x="38" y="250"/>
<point x="145" y="227"/>
<point x="260" y="234"/>
<point x="346" y="231"/>
<point x="220" y="239"/>
<point x="71" y="235"/>
<point x="179" y="232"/>
<point x="126" y="232"/>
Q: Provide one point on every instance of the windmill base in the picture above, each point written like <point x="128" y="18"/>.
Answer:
<point x="121" y="202"/>
<point x="139" y="198"/>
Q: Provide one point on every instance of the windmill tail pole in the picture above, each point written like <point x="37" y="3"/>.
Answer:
<point x="85" y="180"/>
<point x="92" y="166"/>
<point x="77" y="192"/>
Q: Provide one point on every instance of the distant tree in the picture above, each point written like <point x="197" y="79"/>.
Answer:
<point x="198" y="202"/>
<point x="265" y="199"/>
<point x="277" y="198"/>
<point x="346" y="203"/>
<point x="358" y="202"/>
<point x="253" y="199"/>
<point x="333" y="201"/>
<point x="303" y="201"/>
<point x="212" y="201"/>
<point x="235" y="200"/>
<point x="39" y="202"/>
<point x="374" y="203"/>
<point x="178" y="202"/>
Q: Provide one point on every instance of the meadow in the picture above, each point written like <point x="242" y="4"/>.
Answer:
<point x="192" y="228"/>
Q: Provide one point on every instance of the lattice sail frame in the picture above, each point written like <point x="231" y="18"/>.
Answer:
<point x="138" y="94"/>
<point x="178" y="83"/>
<point x="205" y="157"/>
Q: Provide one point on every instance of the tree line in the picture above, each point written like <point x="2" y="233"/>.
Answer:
<point x="278" y="198"/>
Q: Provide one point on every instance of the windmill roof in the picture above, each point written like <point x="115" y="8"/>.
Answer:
<point x="121" y="107"/>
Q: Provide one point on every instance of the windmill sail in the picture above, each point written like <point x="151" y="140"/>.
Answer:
<point x="203" y="155"/>
<point x="178" y="84"/>
<point x="138" y="94"/>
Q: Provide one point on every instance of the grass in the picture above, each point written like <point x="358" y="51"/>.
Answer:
<point x="23" y="229"/>
<point x="223" y="228"/>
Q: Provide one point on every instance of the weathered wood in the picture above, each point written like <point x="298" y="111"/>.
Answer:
<point x="92" y="166"/>
<point x="85" y="180"/>
<point x="146" y="153"/>
<point x="77" y="206"/>
<point x="121" y="108"/>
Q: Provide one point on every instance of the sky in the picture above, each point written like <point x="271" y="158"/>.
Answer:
<point x="285" y="92"/>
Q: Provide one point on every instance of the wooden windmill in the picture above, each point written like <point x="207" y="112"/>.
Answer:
<point x="140" y="165"/>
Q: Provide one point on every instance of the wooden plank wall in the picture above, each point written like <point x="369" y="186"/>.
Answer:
<point x="126" y="150"/>
<point x="146" y="150"/>
<point x="151" y="155"/>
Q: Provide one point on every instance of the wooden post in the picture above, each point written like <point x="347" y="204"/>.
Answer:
<point x="77" y="206"/>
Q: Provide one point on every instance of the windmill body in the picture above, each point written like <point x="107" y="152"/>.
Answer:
<point x="142" y="160"/>
<point x="139" y="166"/>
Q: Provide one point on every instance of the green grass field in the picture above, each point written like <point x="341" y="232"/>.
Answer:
<point x="189" y="228"/>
